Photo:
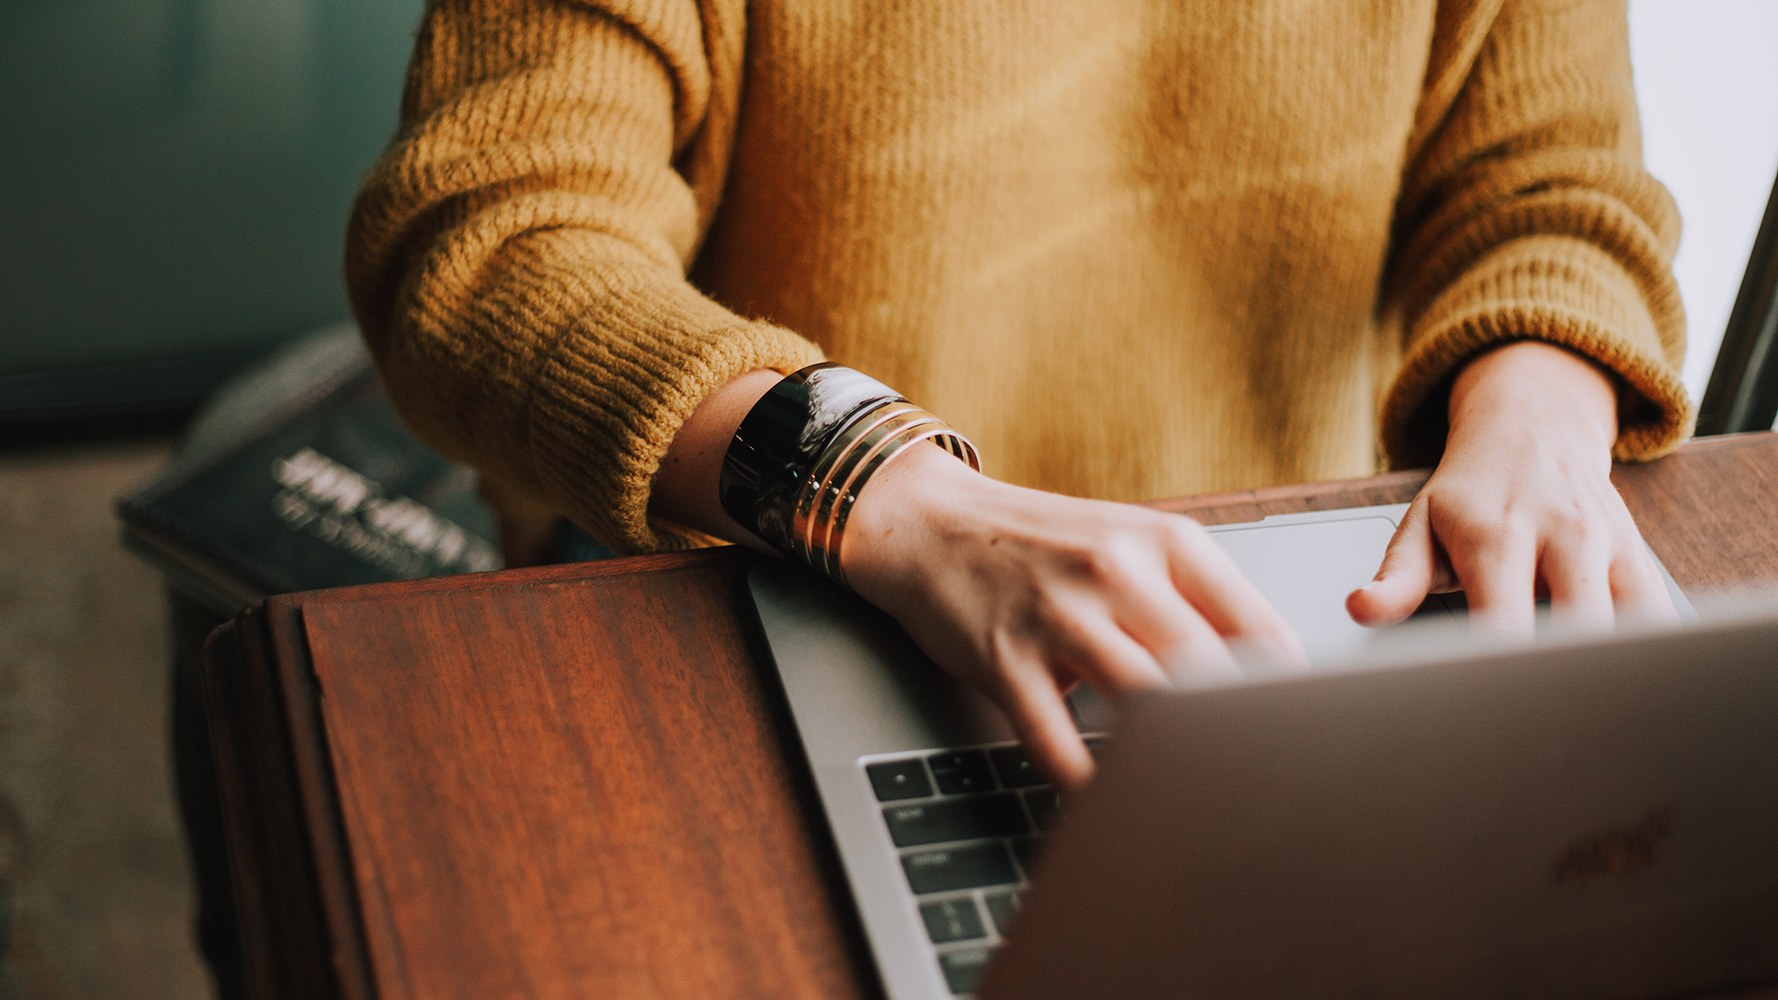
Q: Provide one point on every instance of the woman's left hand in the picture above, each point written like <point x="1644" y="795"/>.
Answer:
<point x="1522" y="506"/>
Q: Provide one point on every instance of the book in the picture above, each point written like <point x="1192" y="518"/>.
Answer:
<point x="327" y="489"/>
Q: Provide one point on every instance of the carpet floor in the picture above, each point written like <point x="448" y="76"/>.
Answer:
<point x="94" y="889"/>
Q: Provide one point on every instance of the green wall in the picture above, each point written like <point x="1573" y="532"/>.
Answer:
<point x="176" y="177"/>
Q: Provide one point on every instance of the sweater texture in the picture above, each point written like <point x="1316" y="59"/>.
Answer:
<point x="1132" y="248"/>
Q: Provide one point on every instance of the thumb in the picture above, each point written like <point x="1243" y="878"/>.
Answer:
<point x="1406" y="576"/>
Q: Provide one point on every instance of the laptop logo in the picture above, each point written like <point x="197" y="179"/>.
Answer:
<point x="1615" y="853"/>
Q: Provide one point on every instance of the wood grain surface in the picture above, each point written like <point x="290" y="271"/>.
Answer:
<point x="579" y="781"/>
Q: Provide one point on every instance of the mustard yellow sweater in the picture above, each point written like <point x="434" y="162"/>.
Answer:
<point x="1133" y="248"/>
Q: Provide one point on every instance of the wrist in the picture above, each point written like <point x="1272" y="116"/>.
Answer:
<point x="809" y="448"/>
<point x="904" y="502"/>
<point x="1537" y="386"/>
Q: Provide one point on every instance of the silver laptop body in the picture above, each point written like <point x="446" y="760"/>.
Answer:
<point x="1575" y="819"/>
<point x="862" y="695"/>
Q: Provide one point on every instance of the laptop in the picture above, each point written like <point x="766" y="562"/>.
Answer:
<point x="1400" y="837"/>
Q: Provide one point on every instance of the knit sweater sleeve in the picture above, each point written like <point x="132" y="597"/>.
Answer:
<point x="1526" y="213"/>
<point x="517" y="258"/>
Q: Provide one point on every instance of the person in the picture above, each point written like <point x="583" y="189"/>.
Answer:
<point x="1130" y="250"/>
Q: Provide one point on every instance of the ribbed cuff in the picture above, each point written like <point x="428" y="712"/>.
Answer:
<point x="1563" y="291"/>
<point x="611" y="397"/>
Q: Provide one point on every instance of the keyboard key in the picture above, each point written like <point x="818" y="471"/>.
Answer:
<point x="959" y="868"/>
<point x="963" y="969"/>
<point x="1026" y="850"/>
<point x="1014" y="767"/>
<point x="1001" y="907"/>
<point x="961" y="771"/>
<point x="954" y="919"/>
<point x="899" y="779"/>
<point x="977" y="817"/>
<point x="1046" y="807"/>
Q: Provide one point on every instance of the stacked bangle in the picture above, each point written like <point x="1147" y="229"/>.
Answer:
<point x="803" y="454"/>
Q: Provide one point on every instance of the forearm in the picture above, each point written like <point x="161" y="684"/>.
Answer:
<point x="517" y="260"/>
<point x="685" y="489"/>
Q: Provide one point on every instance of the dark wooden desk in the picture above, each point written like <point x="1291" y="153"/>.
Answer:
<point x="579" y="782"/>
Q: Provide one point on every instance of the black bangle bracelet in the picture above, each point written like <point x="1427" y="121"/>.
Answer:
<point x="776" y="447"/>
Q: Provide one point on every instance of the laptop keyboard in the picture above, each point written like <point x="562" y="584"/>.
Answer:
<point x="966" y="825"/>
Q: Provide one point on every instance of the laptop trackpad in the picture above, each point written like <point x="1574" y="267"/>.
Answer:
<point x="1306" y="569"/>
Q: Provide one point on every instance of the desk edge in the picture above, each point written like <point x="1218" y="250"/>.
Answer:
<point x="287" y="850"/>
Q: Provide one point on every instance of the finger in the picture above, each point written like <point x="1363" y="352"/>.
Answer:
<point x="1200" y="658"/>
<point x="1226" y="601"/>
<point x="1576" y="572"/>
<point x="1408" y="573"/>
<point x="1639" y="589"/>
<point x="1497" y="569"/>
<point x="1156" y="616"/>
<point x="1104" y="655"/>
<point x="1041" y="719"/>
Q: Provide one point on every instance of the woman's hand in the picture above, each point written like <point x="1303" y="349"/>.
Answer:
<point x="1522" y="505"/>
<point x="1018" y="592"/>
<point x="1021" y="593"/>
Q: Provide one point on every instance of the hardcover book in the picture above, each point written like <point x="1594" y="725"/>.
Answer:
<point x="329" y="489"/>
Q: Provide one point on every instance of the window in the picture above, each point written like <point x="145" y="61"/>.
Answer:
<point x="1705" y="80"/>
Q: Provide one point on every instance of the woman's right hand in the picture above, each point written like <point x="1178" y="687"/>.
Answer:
<point x="1022" y="593"/>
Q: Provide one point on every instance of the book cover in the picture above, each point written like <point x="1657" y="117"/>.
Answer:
<point x="329" y="490"/>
